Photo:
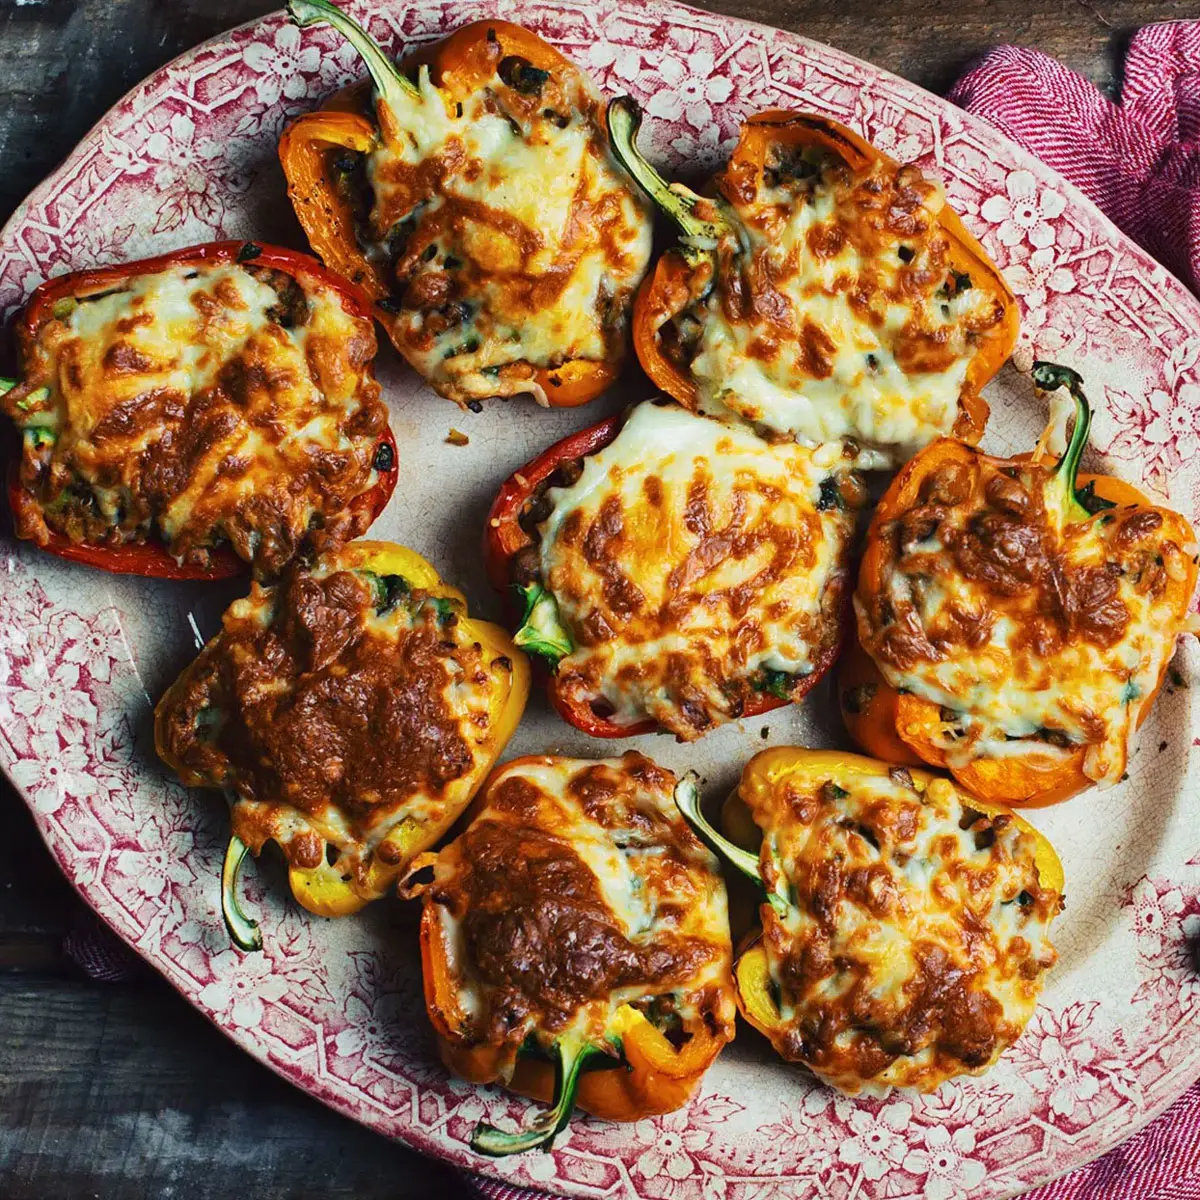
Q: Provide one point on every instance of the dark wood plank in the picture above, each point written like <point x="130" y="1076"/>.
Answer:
<point x="126" y="1093"/>
<point x="122" y="1091"/>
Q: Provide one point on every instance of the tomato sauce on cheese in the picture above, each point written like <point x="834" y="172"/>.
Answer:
<point x="578" y="889"/>
<point x="337" y="704"/>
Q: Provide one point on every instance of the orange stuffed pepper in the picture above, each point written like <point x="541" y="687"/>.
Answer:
<point x="1020" y="616"/>
<point x="473" y="196"/>
<point x="575" y="945"/>
<point x="905" y="924"/>
<point x="821" y="290"/>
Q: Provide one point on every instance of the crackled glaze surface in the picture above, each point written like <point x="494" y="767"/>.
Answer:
<point x="335" y="1006"/>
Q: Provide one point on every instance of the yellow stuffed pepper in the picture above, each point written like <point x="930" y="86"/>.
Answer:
<point x="905" y="929"/>
<point x="352" y="710"/>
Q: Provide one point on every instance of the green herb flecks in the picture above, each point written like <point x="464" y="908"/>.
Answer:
<point x="775" y="683"/>
<point x="390" y="590"/>
<point x="542" y="631"/>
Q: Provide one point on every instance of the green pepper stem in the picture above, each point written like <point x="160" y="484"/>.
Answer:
<point x="1049" y="377"/>
<point x="391" y="86"/>
<point x="7" y="385"/>
<point x="687" y="800"/>
<point x="542" y="631"/>
<point x="624" y="118"/>
<point x="570" y="1057"/>
<point x="245" y="933"/>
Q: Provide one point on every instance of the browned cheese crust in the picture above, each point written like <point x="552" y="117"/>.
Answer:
<point x="1031" y="621"/>
<point x="201" y="405"/>
<point x="310" y="704"/>
<point x="536" y="897"/>
<point x="915" y="943"/>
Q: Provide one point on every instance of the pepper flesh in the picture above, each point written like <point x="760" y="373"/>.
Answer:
<point x="504" y="538"/>
<point x="685" y="273"/>
<point x="359" y="117"/>
<point x="642" y="1071"/>
<point x="1035" y="777"/>
<point x="323" y="890"/>
<point x="807" y="769"/>
<point x="151" y="559"/>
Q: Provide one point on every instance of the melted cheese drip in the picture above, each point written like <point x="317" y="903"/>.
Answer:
<point x="559" y="184"/>
<point x="655" y="889"/>
<point x="688" y="632"/>
<point x="865" y="393"/>
<point x="1004" y="692"/>
<point x="937" y="888"/>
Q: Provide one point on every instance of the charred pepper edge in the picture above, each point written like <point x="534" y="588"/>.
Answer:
<point x="391" y="86"/>
<point x="572" y="1056"/>
<point x="687" y="800"/>
<point x="243" y="932"/>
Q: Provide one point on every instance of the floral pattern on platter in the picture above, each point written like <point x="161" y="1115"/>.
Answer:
<point x="336" y="1007"/>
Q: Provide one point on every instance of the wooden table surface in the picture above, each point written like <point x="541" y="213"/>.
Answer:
<point x="120" y="1091"/>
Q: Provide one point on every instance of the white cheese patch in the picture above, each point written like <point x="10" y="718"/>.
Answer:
<point x="867" y="394"/>
<point x="751" y="488"/>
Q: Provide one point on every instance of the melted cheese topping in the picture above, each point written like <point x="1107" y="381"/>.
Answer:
<point x="578" y="889"/>
<point x="689" y="558"/>
<point x="1028" y="626"/>
<point x="200" y="404"/>
<point x="521" y="239"/>
<point x="346" y="710"/>
<point x="835" y="313"/>
<point x="917" y="931"/>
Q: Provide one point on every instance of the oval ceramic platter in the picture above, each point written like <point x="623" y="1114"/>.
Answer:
<point x="336" y="1006"/>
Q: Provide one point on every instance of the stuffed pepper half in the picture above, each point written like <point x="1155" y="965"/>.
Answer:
<point x="822" y="292"/>
<point x="905" y="930"/>
<point x="353" y="710"/>
<point x="677" y="572"/>
<point x="186" y="414"/>
<point x="1021" y="616"/>
<point x="474" y="197"/>
<point x="575" y="945"/>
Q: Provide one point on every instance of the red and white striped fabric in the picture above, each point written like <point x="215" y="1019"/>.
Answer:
<point x="1139" y="160"/>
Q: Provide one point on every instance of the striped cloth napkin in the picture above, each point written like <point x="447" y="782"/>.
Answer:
<point x="1139" y="160"/>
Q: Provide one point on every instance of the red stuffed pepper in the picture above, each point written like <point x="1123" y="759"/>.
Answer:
<point x="186" y="414"/>
<point x="676" y="572"/>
